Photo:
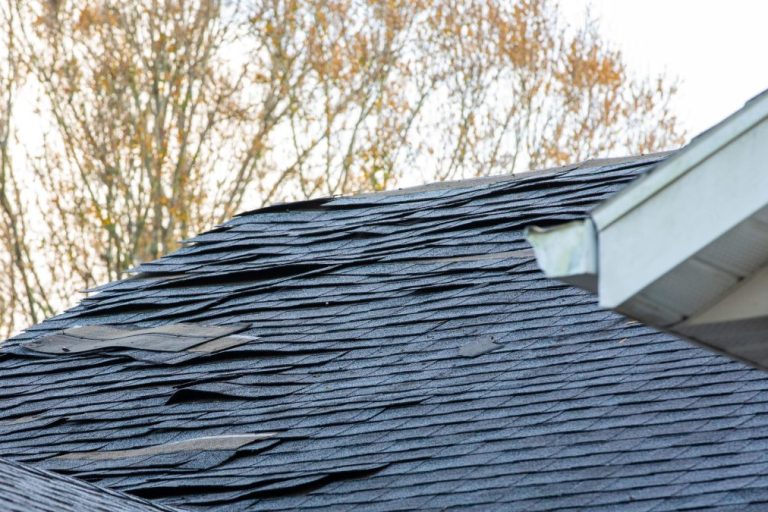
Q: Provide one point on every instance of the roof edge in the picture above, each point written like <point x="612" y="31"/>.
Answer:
<point x="700" y="148"/>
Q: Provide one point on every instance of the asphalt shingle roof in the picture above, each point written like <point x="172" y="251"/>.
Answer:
<point x="27" y="489"/>
<point x="409" y="356"/>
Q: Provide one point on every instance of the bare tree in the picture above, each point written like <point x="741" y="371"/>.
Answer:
<point x="161" y="118"/>
<point x="369" y="91"/>
<point x="22" y="292"/>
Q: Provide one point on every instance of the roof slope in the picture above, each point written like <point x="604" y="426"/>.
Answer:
<point x="27" y="489"/>
<point x="409" y="356"/>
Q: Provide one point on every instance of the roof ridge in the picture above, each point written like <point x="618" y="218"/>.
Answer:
<point x="471" y="182"/>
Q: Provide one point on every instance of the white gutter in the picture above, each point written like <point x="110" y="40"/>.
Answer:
<point x="685" y="248"/>
<point x="567" y="252"/>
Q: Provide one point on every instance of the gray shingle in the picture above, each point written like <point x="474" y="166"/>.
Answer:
<point x="27" y="489"/>
<point x="362" y="307"/>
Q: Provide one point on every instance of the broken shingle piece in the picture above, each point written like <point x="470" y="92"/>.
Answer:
<point x="198" y="444"/>
<point x="478" y="347"/>
<point x="168" y="338"/>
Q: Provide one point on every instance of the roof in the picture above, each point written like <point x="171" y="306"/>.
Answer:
<point x="27" y="489"/>
<point x="398" y="351"/>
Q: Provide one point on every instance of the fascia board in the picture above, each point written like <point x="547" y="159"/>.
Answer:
<point x="701" y="148"/>
<point x="693" y="218"/>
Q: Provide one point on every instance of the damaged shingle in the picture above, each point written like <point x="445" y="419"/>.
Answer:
<point x="478" y="347"/>
<point x="199" y="444"/>
<point x="410" y="355"/>
<point x="167" y="338"/>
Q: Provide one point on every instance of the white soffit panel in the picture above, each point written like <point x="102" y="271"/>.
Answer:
<point x="693" y="286"/>
<point x="747" y="300"/>
<point x="742" y="250"/>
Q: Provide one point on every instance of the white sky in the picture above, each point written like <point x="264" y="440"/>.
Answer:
<point x="716" y="48"/>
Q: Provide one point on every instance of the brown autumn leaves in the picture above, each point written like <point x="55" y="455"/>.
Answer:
<point x="156" y="119"/>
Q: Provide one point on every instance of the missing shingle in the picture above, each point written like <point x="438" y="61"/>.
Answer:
<point x="167" y="338"/>
<point x="14" y="420"/>
<point x="187" y="395"/>
<point x="298" y="486"/>
<point x="198" y="444"/>
<point x="522" y="254"/>
<point x="479" y="347"/>
<point x="107" y="332"/>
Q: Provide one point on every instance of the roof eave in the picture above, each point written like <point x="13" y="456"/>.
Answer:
<point x="683" y="248"/>
<point x="682" y="162"/>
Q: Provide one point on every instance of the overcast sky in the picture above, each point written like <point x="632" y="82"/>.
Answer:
<point x="717" y="48"/>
